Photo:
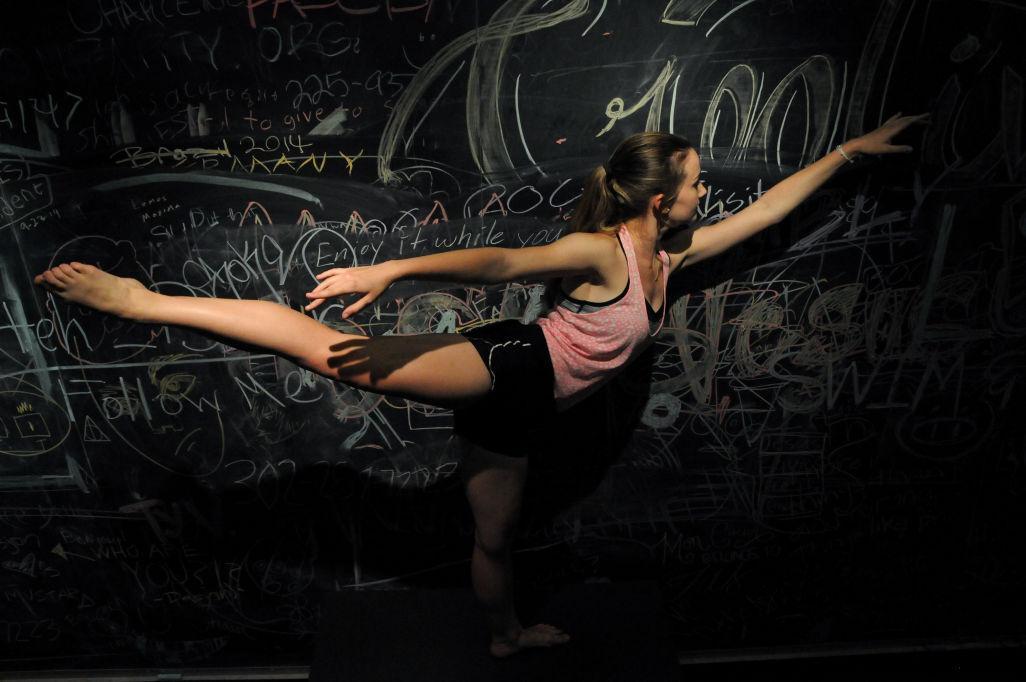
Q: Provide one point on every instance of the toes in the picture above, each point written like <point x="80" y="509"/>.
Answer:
<point x="82" y="267"/>
<point x="67" y="269"/>
<point x="547" y="635"/>
<point x="557" y="635"/>
<point x="59" y="274"/>
<point x="49" y="278"/>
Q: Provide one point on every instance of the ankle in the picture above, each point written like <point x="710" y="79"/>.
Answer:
<point x="143" y="305"/>
<point x="508" y="635"/>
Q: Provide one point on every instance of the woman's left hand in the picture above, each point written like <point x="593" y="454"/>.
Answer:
<point x="370" y="280"/>
<point x="879" y="140"/>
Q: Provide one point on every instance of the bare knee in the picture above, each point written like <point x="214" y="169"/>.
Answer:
<point x="495" y="540"/>
<point x="494" y="489"/>
<point x="343" y="357"/>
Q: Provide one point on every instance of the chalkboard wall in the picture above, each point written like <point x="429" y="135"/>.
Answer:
<point x="826" y="445"/>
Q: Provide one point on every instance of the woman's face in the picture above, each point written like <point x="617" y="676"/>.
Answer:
<point x="685" y="208"/>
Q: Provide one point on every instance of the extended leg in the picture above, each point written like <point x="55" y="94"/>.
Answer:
<point x="443" y="369"/>
<point x="495" y="485"/>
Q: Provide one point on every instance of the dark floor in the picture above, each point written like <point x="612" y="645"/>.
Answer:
<point x="961" y="665"/>
<point x="986" y="665"/>
<point x="954" y="665"/>
<point x="619" y="636"/>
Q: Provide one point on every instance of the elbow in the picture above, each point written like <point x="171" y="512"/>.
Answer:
<point x="770" y="213"/>
<point x="502" y="266"/>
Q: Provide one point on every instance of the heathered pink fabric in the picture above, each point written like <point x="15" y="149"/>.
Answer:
<point x="587" y="348"/>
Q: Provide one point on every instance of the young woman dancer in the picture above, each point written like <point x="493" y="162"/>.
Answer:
<point x="628" y="235"/>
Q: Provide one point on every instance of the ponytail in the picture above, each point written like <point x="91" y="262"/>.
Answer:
<point x="599" y="205"/>
<point x="643" y="165"/>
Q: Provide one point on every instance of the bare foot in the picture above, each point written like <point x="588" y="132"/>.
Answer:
<point x="92" y="287"/>
<point x="536" y="635"/>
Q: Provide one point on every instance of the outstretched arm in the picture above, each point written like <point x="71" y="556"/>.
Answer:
<point x="711" y="240"/>
<point x="572" y="254"/>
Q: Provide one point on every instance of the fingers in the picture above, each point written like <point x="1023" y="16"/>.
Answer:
<point x="348" y="312"/>
<point x="357" y="307"/>
<point x="921" y="118"/>
<point x="899" y="118"/>
<point x="343" y="281"/>
<point x="326" y="290"/>
<point x="329" y="287"/>
<point x="908" y="120"/>
<point x="879" y="140"/>
<point x="329" y="273"/>
<point x="322" y="284"/>
<point x="322" y="292"/>
<point x="894" y="149"/>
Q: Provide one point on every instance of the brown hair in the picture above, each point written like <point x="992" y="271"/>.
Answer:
<point x="643" y="165"/>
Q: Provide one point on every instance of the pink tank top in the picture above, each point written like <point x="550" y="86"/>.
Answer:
<point x="588" y="342"/>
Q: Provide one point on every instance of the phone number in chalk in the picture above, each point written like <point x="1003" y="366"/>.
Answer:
<point x="37" y="220"/>
<point x="313" y="88"/>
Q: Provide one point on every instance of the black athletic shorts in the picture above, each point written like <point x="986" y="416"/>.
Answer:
<point x="514" y="414"/>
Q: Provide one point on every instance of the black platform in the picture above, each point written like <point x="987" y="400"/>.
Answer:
<point x="618" y="633"/>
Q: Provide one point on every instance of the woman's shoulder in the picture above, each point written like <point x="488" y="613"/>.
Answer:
<point x="605" y="252"/>
<point x="602" y="244"/>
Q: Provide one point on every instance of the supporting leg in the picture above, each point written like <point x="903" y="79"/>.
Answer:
<point x="443" y="369"/>
<point x="495" y="486"/>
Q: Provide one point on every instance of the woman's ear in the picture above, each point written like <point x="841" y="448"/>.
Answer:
<point x="653" y="203"/>
<point x="661" y="214"/>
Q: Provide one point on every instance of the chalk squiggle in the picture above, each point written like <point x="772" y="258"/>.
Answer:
<point x="486" y="144"/>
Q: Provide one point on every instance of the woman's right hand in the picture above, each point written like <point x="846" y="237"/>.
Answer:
<point x="879" y="141"/>
<point x="370" y="280"/>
